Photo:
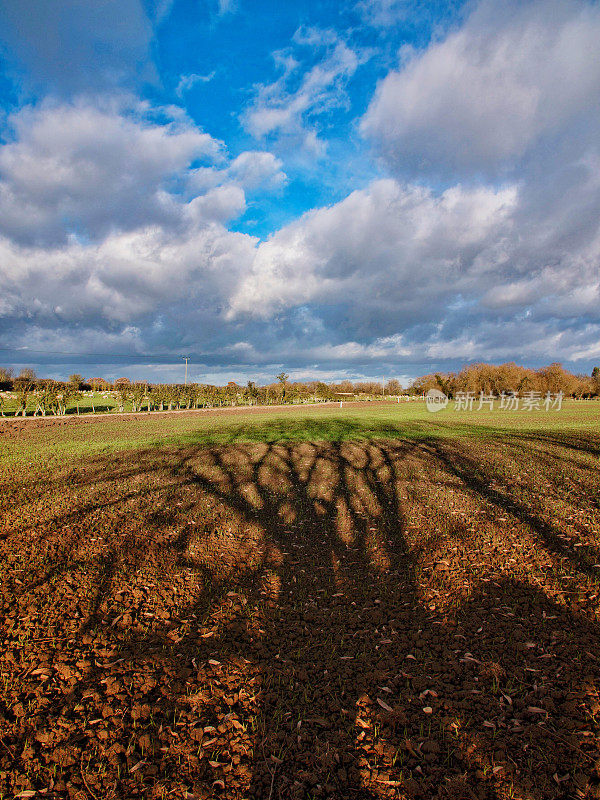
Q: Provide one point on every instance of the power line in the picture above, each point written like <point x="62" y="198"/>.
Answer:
<point x="130" y="357"/>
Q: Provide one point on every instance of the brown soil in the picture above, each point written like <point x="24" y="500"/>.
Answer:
<point x="352" y="620"/>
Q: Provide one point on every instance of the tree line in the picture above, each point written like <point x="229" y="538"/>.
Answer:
<point x="26" y="394"/>
<point x="494" y="379"/>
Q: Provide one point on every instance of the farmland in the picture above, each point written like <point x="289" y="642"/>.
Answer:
<point x="365" y="602"/>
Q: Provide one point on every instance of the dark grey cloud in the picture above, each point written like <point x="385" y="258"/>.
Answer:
<point x="69" y="46"/>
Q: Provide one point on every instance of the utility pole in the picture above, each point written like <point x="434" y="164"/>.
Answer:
<point x="186" y="360"/>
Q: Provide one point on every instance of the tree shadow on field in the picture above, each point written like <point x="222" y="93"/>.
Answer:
<point x="333" y="521"/>
<point x="477" y="476"/>
<point x="320" y="504"/>
<point x="291" y="619"/>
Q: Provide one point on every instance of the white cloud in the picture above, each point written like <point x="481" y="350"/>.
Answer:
<point x="187" y="82"/>
<point x="252" y="170"/>
<point x="125" y="277"/>
<point x="382" y="13"/>
<point x="283" y="112"/>
<point x="100" y="222"/>
<point x="539" y="341"/>
<point x="388" y="13"/>
<point x="87" y="169"/>
<point x="226" y="6"/>
<point x="468" y="273"/>
<point x="220" y="204"/>
<point x="255" y="168"/>
<point x="490" y="91"/>
<point x="389" y="247"/>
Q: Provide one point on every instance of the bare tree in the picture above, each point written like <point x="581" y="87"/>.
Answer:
<point x="6" y="378"/>
<point x="282" y="378"/>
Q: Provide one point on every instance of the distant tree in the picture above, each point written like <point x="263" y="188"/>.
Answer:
<point x="188" y="396"/>
<point x="25" y="380"/>
<point x="68" y="394"/>
<point x="56" y="397"/>
<point x="596" y="379"/>
<point x="555" y="379"/>
<point x="76" y="380"/>
<point x="250" y="391"/>
<point x="583" y="386"/>
<point x="159" y="395"/>
<point x="364" y="387"/>
<point x="22" y="397"/>
<point x="445" y="383"/>
<point x="507" y="378"/>
<point x="200" y="396"/>
<point x="322" y="391"/>
<point x="138" y="395"/>
<point x="122" y="396"/>
<point x="174" y="393"/>
<point x="426" y="382"/>
<point x="282" y="378"/>
<point x="27" y="374"/>
<point x="210" y="394"/>
<point x="528" y="381"/>
<point x="24" y="384"/>
<point x="43" y="399"/>
<point x="6" y="378"/>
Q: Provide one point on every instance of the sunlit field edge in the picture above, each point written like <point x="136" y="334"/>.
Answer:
<point x="48" y="444"/>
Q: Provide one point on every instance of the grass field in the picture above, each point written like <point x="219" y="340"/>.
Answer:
<point x="365" y="602"/>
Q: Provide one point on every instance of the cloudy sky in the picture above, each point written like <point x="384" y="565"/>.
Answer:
<point x="338" y="189"/>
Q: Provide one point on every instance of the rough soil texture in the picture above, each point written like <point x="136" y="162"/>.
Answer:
<point x="358" y="620"/>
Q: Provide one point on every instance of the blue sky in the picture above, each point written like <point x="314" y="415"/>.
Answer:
<point x="382" y="187"/>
